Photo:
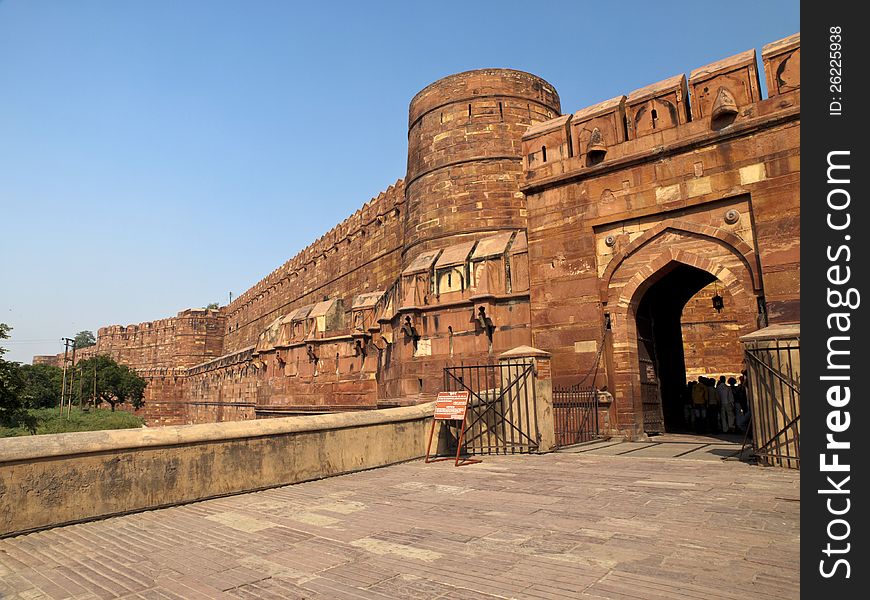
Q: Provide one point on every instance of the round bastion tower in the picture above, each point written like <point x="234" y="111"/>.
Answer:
<point x="465" y="155"/>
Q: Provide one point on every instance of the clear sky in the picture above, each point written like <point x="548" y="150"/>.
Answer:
<point x="156" y="155"/>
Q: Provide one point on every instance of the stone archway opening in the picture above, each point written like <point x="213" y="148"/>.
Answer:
<point x="661" y="355"/>
<point x="681" y="334"/>
<point x="665" y="329"/>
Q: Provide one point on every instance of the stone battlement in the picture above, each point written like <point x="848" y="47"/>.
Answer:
<point x="374" y="212"/>
<point x="718" y="101"/>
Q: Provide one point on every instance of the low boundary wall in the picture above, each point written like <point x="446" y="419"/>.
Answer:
<point x="72" y="477"/>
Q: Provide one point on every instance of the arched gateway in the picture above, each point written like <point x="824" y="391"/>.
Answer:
<point x="652" y="288"/>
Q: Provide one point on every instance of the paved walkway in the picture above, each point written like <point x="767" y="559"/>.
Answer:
<point x="691" y="447"/>
<point x="564" y="525"/>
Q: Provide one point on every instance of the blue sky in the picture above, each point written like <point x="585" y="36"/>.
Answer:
<point x="157" y="155"/>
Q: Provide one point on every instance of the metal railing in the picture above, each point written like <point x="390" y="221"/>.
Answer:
<point x="773" y="369"/>
<point x="502" y="416"/>
<point x="575" y="411"/>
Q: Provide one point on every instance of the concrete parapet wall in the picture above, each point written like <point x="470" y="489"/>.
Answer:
<point x="65" y="478"/>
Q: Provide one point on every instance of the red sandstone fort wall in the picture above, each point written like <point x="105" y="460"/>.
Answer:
<point x="160" y="351"/>
<point x="515" y="225"/>
<point x="361" y="254"/>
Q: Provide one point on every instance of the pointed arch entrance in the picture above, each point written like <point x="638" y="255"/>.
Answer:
<point x="664" y="327"/>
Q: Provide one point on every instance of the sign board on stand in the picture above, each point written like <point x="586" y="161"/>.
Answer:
<point x="450" y="406"/>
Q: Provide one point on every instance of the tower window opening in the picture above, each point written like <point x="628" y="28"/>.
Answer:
<point x="500" y="112"/>
<point x="655" y="117"/>
<point x="469" y="111"/>
<point x="544" y="153"/>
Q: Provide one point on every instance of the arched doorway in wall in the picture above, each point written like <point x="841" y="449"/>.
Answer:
<point x="665" y="329"/>
<point x="660" y="343"/>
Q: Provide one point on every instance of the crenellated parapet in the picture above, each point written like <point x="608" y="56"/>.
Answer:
<point x="374" y="213"/>
<point x="782" y="65"/>
<point x="716" y="102"/>
<point x="184" y="340"/>
<point x="354" y="255"/>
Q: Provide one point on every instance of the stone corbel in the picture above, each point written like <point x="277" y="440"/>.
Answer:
<point x="409" y="328"/>
<point x="383" y="341"/>
<point x="312" y="354"/>
<point x="484" y="320"/>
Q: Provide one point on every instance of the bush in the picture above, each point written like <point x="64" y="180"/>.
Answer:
<point x="49" y="420"/>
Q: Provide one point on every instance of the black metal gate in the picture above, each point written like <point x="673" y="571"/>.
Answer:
<point x="502" y="416"/>
<point x="773" y="369"/>
<point x="575" y="411"/>
<point x="650" y="390"/>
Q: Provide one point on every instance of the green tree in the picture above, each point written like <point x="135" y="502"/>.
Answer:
<point x="115" y="383"/>
<point x="13" y="411"/>
<point x="213" y="305"/>
<point x="85" y="339"/>
<point x="42" y="384"/>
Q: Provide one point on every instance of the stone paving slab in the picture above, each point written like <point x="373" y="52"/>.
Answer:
<point x="620" y="448"/>
<point x="563" y="525"/>
<point x="669" y="446"/>
<point x="665" y="450"/>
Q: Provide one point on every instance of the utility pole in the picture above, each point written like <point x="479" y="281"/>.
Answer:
<point x="72" y="381"/>
<point x="66" y="344"/>
<point x="81" y="391"/>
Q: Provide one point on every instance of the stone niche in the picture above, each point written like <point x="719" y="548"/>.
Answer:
<point x="417" y="281"/>
<point x="519" y="264"/>
<point x="296" y="325"/>
<point x="596" y="129"/>
<point x="488" y="265"/>
<point x="362" y="311"/>
<point x="659" y="106"/>
<point x="782" y="65"/>
<point x="325" y="317"/>
<point x="719" y="90"/>
<point x="269" y="339"/>
<point x="451" y="271"/>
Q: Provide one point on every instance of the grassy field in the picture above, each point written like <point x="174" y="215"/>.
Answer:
<point x="49" y="420"/>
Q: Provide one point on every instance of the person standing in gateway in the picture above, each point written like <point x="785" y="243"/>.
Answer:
<point x="726" y="406"/>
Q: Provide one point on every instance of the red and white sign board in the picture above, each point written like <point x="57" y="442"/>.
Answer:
<point x="451" y="406"/>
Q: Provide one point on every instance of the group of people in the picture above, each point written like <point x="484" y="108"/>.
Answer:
<point x="713" y="407"/>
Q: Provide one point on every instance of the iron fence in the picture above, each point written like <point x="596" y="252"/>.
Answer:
<point x="575" y="411"/>
<point x="773" y="386"/>
<point x="502" y="415"/>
